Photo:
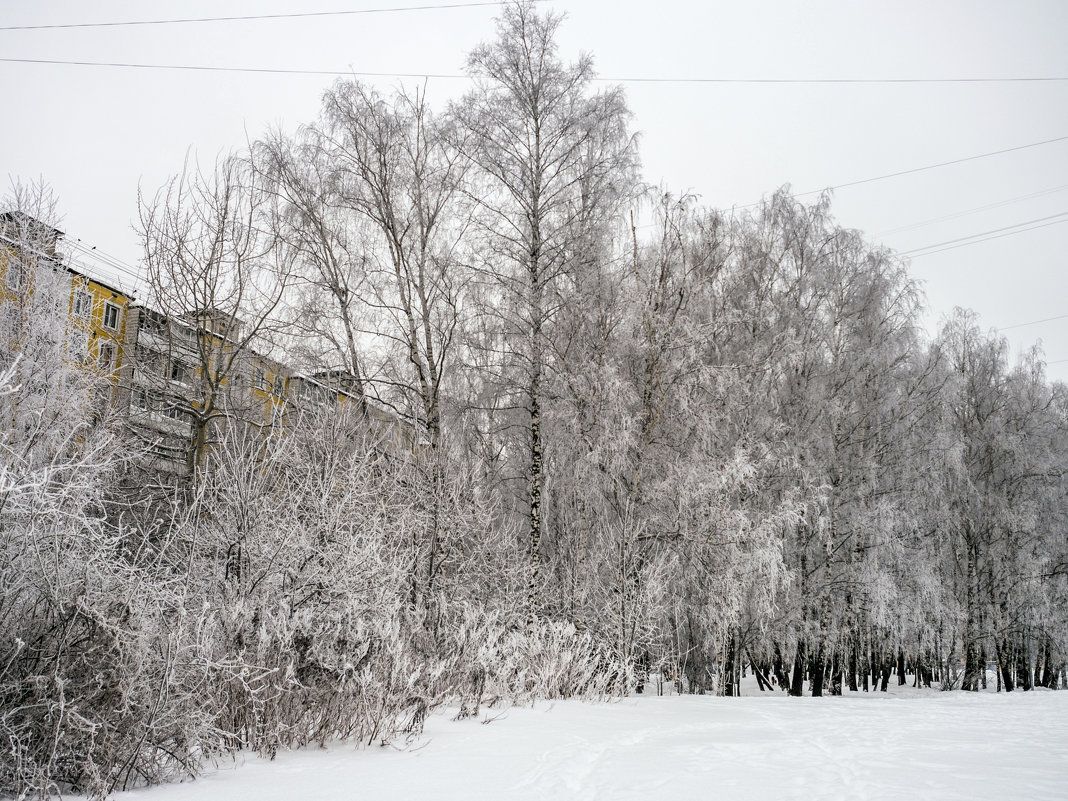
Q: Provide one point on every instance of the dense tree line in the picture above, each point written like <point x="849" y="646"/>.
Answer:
<point x="651" y="438"/>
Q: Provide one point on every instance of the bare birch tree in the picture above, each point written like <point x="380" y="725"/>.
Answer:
<point x="373" y="202"/>
<point x="553" y="161"/>
<point x="326" y="308"/>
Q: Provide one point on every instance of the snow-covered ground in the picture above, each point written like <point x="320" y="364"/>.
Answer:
<point x="903" y="745"/>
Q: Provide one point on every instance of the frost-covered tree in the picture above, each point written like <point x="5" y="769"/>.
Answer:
<point x="217" y="279"/>
<point x="1007" y="496"/>
<point x="553" y="159"/>
<point x="372" y="202"/>
<point x="61" y="581"/>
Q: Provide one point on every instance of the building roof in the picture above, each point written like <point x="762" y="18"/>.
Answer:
<point x="52" y="234"/>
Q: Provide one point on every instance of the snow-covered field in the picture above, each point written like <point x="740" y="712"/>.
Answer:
<point x="905" y="745"/>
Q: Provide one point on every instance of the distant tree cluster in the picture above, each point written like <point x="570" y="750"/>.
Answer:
<point x="646" y="439"/>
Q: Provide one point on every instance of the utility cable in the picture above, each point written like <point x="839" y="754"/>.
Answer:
<point x="104" y="256"/>
<point x="976" y="210"/>
<point x="915" y="169"/>
<point x="1021" y="79"/>
<point x="1032" y="322"/>
<point x="458" y="76"/>
<point x="916" y="255"/>
<point x="243" y="18"/>
<point x="107" y="261"/>
<point x="984" y="233"/>
<point x="940" y="164"/>
<point x="194" y="68"/>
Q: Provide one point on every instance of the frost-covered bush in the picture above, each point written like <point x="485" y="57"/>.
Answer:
<point x="85" y="649"/>
<point x="489" y="660"/>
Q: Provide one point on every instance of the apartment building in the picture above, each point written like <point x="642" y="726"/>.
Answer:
<point x="43" y="296"/>
<point x="176" y="382"/>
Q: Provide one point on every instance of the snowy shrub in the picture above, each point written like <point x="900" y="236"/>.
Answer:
<point x="493" y="661"/>
<point x="86" y="657"/>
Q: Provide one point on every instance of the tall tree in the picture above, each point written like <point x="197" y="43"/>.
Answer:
<point x="554" y="159"/>
<point x="325" y="309"/>
<point x="372" y="202"/>
<point x="217" y="279"/>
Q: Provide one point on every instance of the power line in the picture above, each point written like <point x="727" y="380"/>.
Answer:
<point x="117" y="265"/>
<point x="941" y="164"/>
<point x="915" y="255"/>
<point x="916" y="169"/>
<point x="132" y="275"/>
<point x="1033" y="322"/>
<point x="984" y="233"/>
<point x="1022" y="79"/>
<point x="987" y="207"/>
<point x="457" y="76"/>
<point x="248" y="17"/>
<point x="107" y="260"/>
<point x="195" y="68"/>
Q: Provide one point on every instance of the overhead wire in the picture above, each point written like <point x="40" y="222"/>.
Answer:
<point x="248" y="17"/>
<point x="1017" y="79"/>
<point x="107" y="260"/>
<point x="76" y="245"/>
<point x="1033" y="322"/>
<point x="939" y="164"/>
<point x="914" y="170"/>
<point x="121" y="273"/>
<point x="462" y="76"/>
<point x="134" y="274"/>
<point x="976" y="210"/>
<point x="254" y="70"/>
<point x="984" y="233"/>
<point x="102" y="255"/>
<point x="919" y="252"/>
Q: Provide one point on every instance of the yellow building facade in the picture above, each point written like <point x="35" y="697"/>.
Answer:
<point x="148" y="368"/>
<point x="43" y="297"/>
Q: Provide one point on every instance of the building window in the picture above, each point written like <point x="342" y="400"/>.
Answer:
<point x="259" y="379"/>
<point x="83" y="304"/>
<point x="279" y="386"/>
<point x="150" y="323"/>
<point x="106" y="356"/>
<point x="179" y="372"/>
<point x="139" y="398"/>
<point x="111" y="316"/>
<point x="54" y="307"/>
<point x="170" y="409"/>
<point x="16" y="273"/>
<point x="78" y="346"/>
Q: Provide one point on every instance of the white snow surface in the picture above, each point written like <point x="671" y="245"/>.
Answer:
<point x="906" y="744"/>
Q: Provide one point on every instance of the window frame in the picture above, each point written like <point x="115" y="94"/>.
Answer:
<point x="16" y="275"/>
<point x="106" y="347"/>
<point x="82" y="298"/>
<point x="78" y="346"/>
<point x="139" y="398"/>
<point x="108" y="308"/>
<point x="179" y="371"/>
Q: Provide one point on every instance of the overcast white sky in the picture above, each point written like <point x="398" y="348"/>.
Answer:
<point x="98" y="133"/>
